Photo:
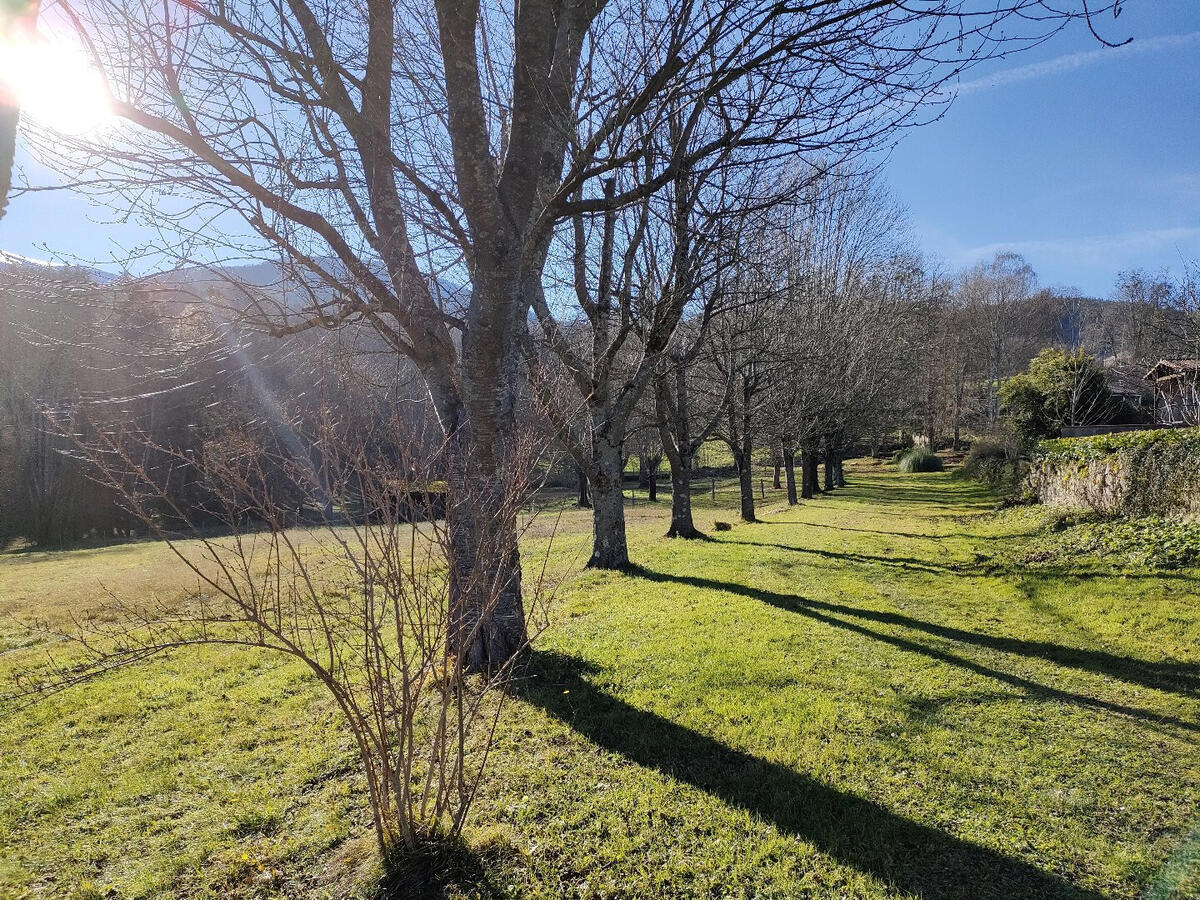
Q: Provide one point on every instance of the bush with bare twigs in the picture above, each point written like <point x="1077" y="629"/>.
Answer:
<point x="360" y="596"/>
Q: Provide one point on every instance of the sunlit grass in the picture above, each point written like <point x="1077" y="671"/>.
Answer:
<point x="869" y="695"/>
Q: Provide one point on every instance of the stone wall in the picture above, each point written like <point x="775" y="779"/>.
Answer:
<point x="1103" y="487"/>
<point x="1137" y="474"/>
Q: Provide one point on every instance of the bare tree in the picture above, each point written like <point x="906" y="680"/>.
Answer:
<point x="362" y="600"/>
<point x="652" y="265"/>
<point x="377" y="150"/>
<point x="993" y="293"/>
<point x="844" y="258"/>
<point x="747" y="352"/>
<point x="685" y="420"/>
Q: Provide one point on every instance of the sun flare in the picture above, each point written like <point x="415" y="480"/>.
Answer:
<point x="53" y="83"/>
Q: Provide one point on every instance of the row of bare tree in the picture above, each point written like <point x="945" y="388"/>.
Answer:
<point x="657" y="214"/>
<point x="529" y="150"/>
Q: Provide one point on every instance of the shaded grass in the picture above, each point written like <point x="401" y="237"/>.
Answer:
<point x="866" y="696"/>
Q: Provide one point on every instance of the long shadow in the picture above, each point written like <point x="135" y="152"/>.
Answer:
<point x="881" y="531"/>
<point x="963" y="506"/>
<point x="903" y="534"/>
<point x="808" y="608"/>
<point x="859" y="833"/>
<point x="897" y="562"/>
<point x="987" y="567"/>
<point x="1173" y="677"/>
<point x="919" y="492"/>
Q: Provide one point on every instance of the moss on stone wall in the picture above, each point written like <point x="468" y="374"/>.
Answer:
<point x="1140" y="473"/>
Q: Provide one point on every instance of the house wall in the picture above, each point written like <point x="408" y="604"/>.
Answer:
<point x="1177" y="400"/>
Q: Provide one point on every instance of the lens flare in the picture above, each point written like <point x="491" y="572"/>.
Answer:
<point x="53" y="83"/>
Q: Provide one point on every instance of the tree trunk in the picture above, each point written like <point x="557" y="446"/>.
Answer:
<point x="743" y="455"/>
<point x="829" y="465"/>
<point x="675" y="433"/>
<point x="839" y="472"/>
<point x="682" y="525"/>
<point x="789" y="464"/>
<point x="959" y="391"/>
<point x="585" y="499"/>
<point x="652" y="480"/>
<point x="742" y="458"/>
<point x="808" y="474"/>
<point x="778" y="472"/>
<point x="609" y="549"/>
<point x="487" y="616"/>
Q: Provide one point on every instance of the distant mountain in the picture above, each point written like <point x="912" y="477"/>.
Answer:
<point x="271" y="279"/>
<point x="10" y="262"/>
<point x="195" y="282"/>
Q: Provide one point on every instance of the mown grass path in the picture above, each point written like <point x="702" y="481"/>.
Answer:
<point x="868" y="695"/>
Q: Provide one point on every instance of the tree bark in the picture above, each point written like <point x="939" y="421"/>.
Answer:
<point x="745" y="484"/>
<point x="742" y="445"/>
<point x="778" y="472"/>
<point x="839" y="472"/>
<point x="682" y="526"/>
<point x="741" y="458"/>
<point x="648" y="464"/>
<point x="609" y="549"/>
<point x="808" y="474"/>
<point x="675" y="431"/>
<point x="789" y="464"/>
<point x="829" y="467"/>
<point x="584" y="500"/>
<point x="486" y="612"/>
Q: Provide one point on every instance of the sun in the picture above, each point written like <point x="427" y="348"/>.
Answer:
<point x="53" y="83"/>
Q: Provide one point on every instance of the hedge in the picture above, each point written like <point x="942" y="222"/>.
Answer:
<point x="1085" y="449"/>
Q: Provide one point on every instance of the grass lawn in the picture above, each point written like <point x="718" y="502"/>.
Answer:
<point x="868" y="695"/>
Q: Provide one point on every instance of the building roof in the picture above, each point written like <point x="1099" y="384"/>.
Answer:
<point x="1165" y="368"/>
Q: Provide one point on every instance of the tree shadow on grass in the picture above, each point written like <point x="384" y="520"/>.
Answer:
<point x="858" y="833"/>
<point x="986" y="566"/>
<point x="920" y="491"/>
<point x="1170" y="676"/>
<point x="911" y="563"/>
<point x="921" y="535"/>
<point x="1116" y="666"/>
<point x="443" y="869"/>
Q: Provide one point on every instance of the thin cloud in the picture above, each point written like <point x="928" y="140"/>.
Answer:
<point x="1097" y="250"/>
<point x="1073" y="61"/>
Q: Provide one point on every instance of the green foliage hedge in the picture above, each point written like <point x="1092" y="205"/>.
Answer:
<point x="1059" y="388"/>
<point x="918" y="459"/>
<point x="1087" y="449"/>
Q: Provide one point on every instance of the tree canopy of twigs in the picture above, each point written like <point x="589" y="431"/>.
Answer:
<point x="382" y="151"/>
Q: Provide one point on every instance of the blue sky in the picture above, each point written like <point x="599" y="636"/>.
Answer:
<point x="1084" y="159"/>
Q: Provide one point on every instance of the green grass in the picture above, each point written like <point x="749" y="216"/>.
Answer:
<point x="873" y="694"/>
